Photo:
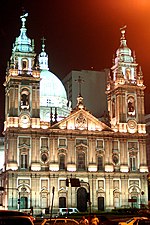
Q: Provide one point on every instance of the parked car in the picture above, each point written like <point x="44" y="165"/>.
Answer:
<point x="15" y="220"/>
<point x="133" y="221"/>
<point x="14" y="213"/>
<point x="66" y="211"/>
<point x="60" y="221"/>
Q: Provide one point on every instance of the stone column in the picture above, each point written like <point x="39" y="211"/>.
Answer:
<point x="93" y="191"/>
<point x="108" y="145"/>
<point x="124" y="190"/>
<point x="109" y="192"/>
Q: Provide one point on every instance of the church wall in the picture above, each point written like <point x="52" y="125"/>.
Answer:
<point x="115" y="193"/>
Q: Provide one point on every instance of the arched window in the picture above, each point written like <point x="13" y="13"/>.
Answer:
<point x="24" y="64"/>
<point x="24" y="99"/>
<point x="128" y="74"/>
<point x="131" y="106"/>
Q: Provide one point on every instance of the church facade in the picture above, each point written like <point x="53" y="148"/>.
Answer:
<point x="78" y="161"/>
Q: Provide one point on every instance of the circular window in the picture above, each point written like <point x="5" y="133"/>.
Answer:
<point x="44" y="157"/>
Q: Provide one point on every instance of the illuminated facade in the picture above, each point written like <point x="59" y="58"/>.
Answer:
<point x="110" y="162"/>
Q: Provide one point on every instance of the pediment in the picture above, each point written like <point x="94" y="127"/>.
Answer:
<point x="82" y="120"/>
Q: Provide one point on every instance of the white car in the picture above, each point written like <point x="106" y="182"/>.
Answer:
<point x="59" y="221"/>
<point x="66" y="211"/>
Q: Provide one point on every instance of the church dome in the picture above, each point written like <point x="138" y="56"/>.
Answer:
<point x="53" y="97"/>
<point x="52" y="91"/>
<point x="124" y="53"/>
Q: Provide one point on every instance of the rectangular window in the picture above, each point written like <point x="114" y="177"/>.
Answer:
<point x="24" y="162"/>
<point x="62" y="183"/>
<point x="62" y="142"/>
<point x="100" y="144"/>
<point x="115" y="184"/>
<point x="101" y="184"/>
<point x="100" y="163"/>
<point x="132" y="145"/>
<point x="24" y="141"/>
<point x="115" y="147"/>
<point x="133" y="163"/>
<point x="44" y="143"/>
<point x="81" y="141"/>
<point x="44" y="184"/>
<point x="81" y="161"/>
<point x="62" y="162"/>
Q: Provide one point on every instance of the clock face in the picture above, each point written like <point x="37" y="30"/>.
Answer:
<point x="24" y="121"/>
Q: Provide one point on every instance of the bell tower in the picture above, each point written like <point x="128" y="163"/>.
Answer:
<point x="22" y="101"/>
<point x="22" y="84"/>
<point x="125" y="91"/>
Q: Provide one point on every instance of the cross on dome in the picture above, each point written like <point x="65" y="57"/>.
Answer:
<point x="43" y="44"/>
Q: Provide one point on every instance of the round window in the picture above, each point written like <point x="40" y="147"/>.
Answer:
<point x="115" y="159"/>
<point x="44" y="157"/>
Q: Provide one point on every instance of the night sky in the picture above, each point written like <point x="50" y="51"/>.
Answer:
<point x="80" y="34"/>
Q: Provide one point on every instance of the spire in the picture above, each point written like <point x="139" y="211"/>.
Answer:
<point x="43" y="44"/>
<point x="43" y="57"/>
<point x="23" y="43"/>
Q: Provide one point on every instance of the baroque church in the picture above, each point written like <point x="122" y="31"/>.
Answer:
<point x="55" y="155"/>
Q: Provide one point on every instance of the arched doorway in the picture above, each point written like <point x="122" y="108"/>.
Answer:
<point x="62" y="202"/>
<point x="24" y="196"/>
<point x="82" y="199"/>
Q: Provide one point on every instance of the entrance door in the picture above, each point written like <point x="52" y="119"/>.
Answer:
<point x="101" y="203"/>
<point x="62" y="202"/>
<point x="82" y="199"/>
<point x="23" y="203"/>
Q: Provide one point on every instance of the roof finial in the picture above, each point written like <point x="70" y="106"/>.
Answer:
<point x="23" y="18"/>
<point x="122" y="29"/>
<point x="79" y="80"/>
